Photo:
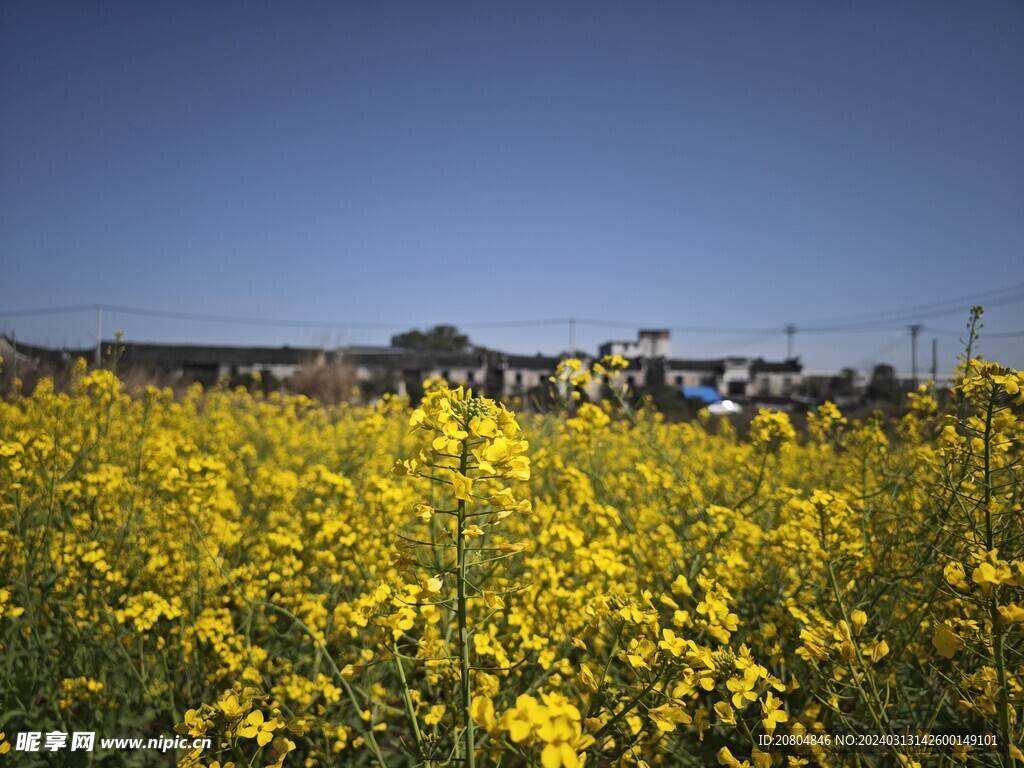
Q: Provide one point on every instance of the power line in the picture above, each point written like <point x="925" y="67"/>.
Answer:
<point x="909" y="316"/>
<point x="874" y="356"/>
<point x="990" y="297"/>
<point x="879" y="324"/>
<point x="48" y="311"/>
<point x="609" y="323"/>
<point x="515" y="323"/>
<point x="741" y="344"/>
<point x="1001" y="335"/>
<point x="265" y="321"/>
<point x="679" y="328"/>
<point x="246" y="320"/>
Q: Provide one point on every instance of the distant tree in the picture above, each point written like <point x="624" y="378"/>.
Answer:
<point x="884" y="385"/>
<point x="440" y="338"/>
<point x="843" y="385"/>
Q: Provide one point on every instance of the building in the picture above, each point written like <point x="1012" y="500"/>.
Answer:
<point x="522" y="375"/>
<point x="693" y="373"/>
<point x="774" y="379"/>
<point x="737" y="378"/>
<point x="650" y="344"/>
<point x="375" y="371"/>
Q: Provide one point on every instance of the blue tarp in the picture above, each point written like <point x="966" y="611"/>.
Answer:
<point x="707" y="394"/>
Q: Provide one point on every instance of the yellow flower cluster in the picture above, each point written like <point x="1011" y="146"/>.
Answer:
<point x="553" y="722"/>
<point x="472" y="441"/>
<point x="233" y="720"/>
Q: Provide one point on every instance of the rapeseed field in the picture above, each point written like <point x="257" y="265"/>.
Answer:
<point x="448" y="583"/>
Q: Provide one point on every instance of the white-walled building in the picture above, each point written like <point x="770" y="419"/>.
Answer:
<point x="650" y="344"/>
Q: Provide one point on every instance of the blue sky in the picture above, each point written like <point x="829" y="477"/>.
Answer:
<point x="358" y="166"/>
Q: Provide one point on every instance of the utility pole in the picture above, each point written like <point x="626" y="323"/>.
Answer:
<point x="935" y="363"/>
<point x="914" y="330"/>
<point x="99" y="333"/>
<point x="790" y="332"/>
<point x="572" y="336"/>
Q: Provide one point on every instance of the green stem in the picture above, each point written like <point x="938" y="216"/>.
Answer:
<point x="997" y="620"/>
<point x="462" y="600"/>
<point x="628" y="708"/>
<point x="407" y="697"/>
<point x="876" y="709"/>
<point x="596" y="701"/>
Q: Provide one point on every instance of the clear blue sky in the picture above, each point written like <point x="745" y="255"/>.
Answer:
<point x="661" y="164"/>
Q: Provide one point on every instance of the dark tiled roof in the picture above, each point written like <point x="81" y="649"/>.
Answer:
<point x="695" y="365"/>
<point x="180" y="354"/>
<point x="529" y="362"/>
<point x="450" y="360"/>
<point x="792" y="365"/>
<point x="396" y="357"/>
<point x="52" y="355"/>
